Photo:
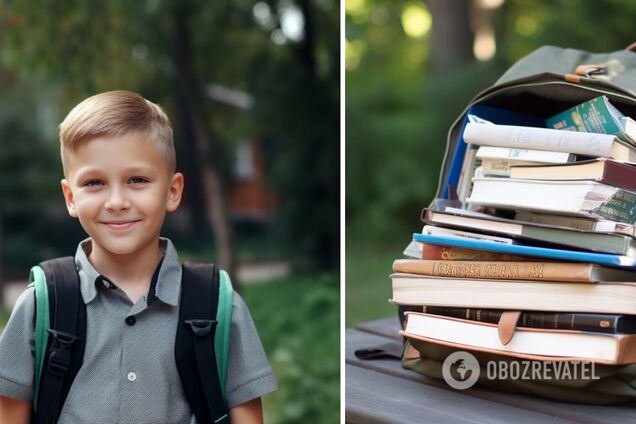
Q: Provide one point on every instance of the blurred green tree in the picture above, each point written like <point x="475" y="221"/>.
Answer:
<point x="173" y="53"/>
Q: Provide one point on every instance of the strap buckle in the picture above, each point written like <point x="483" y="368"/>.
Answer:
<point x="60" y="356"/>
<point x="201" y="327"/>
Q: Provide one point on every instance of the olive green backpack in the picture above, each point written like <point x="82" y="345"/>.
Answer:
<point x="545" y="82"/>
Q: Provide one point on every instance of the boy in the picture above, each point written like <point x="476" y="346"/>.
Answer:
<point x="119" y="166"/>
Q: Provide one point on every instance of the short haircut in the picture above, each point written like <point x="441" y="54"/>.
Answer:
<point x="117" y="113"/>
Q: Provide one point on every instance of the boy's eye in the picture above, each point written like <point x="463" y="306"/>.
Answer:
<point x="93" y="183"/>
<point x="138" y="180"/>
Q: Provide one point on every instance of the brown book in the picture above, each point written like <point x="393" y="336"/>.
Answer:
<point x="602" y="170"/>
<point x="450" y="253"/>
<point x="509" y="270"/>
<point x="603" y="323"/>
<point x="528" y="343"/>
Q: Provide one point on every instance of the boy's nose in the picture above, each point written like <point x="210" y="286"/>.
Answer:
<point x="117" y="200"/>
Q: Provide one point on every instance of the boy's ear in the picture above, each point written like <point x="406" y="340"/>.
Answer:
<point x="68" y="198"/>
<point x="174" y="192"/>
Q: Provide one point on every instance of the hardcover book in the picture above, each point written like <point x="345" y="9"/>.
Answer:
<point x="581" y="143"/>
<point x="602" y="323"/>
<point x="530" y="343"/>
<point x="583" y="198"/>
<point x="605" y="242"/>
<point x="535" y="251"/>
<point x="539" y="271"/>
<point x="602" y="170"/>
<point x="599" y="298"/>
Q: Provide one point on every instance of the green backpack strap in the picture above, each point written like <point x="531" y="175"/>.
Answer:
<point x="42" y="324"/>
<point x="224" y="317"/>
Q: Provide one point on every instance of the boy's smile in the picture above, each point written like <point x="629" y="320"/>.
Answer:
<point x="120" y="188"/>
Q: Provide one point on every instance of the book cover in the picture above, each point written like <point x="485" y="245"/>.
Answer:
<point x="582" y="143"/>
<point x="596" y="241"/>
<point x="597" y="115"/>
<point x="529" y="343"/>
<point x="582" y="198"/>
<point x="602" y="323"/>
<point x="602" y="170"/>
<point x="600" y="298"/>
<point x="519" y="249"/>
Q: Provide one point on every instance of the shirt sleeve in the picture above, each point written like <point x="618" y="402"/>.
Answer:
<point x="249" y="374"/>
<point x="17" y="363"/>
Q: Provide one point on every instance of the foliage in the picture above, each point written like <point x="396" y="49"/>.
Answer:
<point x="368" y="285"/>
<point x="298" y="322"/>
<point x="398" y="111"/>
<point x="74" y="49"/>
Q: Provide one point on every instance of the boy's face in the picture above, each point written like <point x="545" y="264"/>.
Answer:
<point x="120" y="188"/>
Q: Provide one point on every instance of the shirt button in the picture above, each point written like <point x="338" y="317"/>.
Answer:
<point x="132" y="376"/>
<point x="131" y="320"/>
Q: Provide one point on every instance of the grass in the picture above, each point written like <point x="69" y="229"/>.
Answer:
<point x="367" y="282"/>
<point x="298" y="321"/>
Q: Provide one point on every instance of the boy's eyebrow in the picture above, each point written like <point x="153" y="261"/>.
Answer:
<point x="135" y="168"/>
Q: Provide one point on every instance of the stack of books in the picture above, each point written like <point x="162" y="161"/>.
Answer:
<point x="537" y="256"/>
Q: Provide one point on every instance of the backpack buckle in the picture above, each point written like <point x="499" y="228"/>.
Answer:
<point x="60" y="356"/>
<point x="201" y="327"/>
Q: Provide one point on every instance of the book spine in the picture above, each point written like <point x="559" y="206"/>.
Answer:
<point x="497" y="270"/>
<point x="601" y="323"/>
<point x="539" y="139"/>
<point x="450" y="253"/>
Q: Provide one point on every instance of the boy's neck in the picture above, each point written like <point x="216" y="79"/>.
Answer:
<point x="132" y="272"/>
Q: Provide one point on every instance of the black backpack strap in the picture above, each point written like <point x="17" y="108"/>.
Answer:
<point x="67" y="337"/>
<point x="194" y="344"/>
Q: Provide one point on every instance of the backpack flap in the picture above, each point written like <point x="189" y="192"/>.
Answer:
<point x="535" y="88"/>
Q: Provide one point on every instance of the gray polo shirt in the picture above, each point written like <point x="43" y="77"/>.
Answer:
<point x="129" y="374"/>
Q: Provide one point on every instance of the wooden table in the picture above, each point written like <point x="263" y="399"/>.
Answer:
<point x="381" y="391"/>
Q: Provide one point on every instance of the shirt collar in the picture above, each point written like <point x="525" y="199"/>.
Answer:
<point x="166" y="287"/>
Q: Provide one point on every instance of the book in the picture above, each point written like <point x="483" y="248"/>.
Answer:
<point x="450" y="253"/>
<point x="596" y="116"/>
<point x="604" y="242"/>
<point x="602" y="323"/>
<point x="499" y="167"/>
<point x="599" y="298"/>
<point x="441" y="231"/>
<point x="577" y="223"/>
<point x="581" y="143"/>
<point x="583" y="198"/>
<point x="502" y="270"/>
<point x="461" y="154"/>
<point x="519" y="249"/>
<point x="602" y="170"/>
<point x="525" y="155"/>
<point x="530" y="343"/>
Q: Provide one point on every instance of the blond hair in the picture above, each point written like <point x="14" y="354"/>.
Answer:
<point x="117" y="113"/>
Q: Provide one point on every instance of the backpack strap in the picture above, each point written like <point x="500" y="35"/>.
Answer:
<point x="196" y="342"/>
<point x="59" y="343"/>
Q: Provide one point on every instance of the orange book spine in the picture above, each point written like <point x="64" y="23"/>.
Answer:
<point x="497" y="270"/>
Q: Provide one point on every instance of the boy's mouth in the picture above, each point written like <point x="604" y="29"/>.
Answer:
<point x="119" y="225"/>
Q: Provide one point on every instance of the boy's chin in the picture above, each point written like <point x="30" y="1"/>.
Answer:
<point x="121" y="247"/>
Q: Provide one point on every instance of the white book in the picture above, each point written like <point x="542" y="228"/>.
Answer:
<point x="526" y="155"/>
<point x="582" y="143"/>
<point x="583" y="198"/>
<point x="551" y="344"/>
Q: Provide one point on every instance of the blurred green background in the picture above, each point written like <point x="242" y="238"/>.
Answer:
<point x="411" y="67"/>
<point x="252" y="89"/>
